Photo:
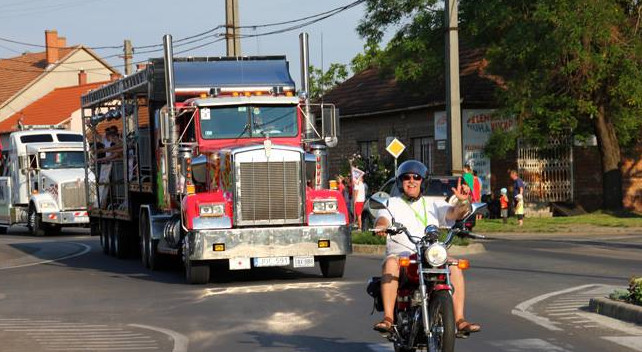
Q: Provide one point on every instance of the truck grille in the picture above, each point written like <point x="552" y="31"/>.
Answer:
<point x="270" y="193"/>
<point x="73" y="195"/>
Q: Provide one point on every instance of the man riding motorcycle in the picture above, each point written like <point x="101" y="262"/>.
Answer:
<point x="416" y="212"/>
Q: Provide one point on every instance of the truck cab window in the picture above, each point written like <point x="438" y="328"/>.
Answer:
<point x="62" y="160"/>
<point x="248" y="121"/>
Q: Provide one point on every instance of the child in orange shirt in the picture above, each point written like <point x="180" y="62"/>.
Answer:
<point x="503" y="202"/>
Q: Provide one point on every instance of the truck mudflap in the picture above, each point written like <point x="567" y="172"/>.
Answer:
<point x="73" y="217"/>
<point x="270" y="242"/>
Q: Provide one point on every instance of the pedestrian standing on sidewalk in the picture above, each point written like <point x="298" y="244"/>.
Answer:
<point x="359" y="198"/>
<point x="519" y="209"/>
<point x="503" y="203"/>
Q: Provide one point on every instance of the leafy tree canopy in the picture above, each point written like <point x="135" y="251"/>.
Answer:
<point x="565" y="64"/>
<point x="321" y="82"/>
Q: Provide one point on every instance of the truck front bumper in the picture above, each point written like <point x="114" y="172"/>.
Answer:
<point x="72" y="217"/>
<point x="270" y="242"/>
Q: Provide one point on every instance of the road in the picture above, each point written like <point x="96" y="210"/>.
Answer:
<point x="62" y="294"/>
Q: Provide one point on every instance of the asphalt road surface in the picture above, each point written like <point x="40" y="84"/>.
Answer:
<point x="62" y="294"/>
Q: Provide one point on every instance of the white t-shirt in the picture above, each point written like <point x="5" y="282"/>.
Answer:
<point x="426" y="212"/>
<point x="360" y="188"/>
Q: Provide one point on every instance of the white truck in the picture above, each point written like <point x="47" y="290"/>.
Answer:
<point x="43" y="180"/>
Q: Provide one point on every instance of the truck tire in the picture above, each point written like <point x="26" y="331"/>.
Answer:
<point x="104" y="236"/>
<point x="119" y="238"/>
<point x="197" y="273"/>
<point x="332" y="266"/>
<point x="34" y="222"/>
<point x="3" y="230"/>
<point x="149" y="253"/>
<point x="144" y="233"/>
<point x="54" y="230"/>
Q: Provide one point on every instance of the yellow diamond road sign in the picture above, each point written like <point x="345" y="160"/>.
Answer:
<point x="395" y="148"/>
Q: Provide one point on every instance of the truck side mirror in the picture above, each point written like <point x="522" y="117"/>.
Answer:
<point x="22" y="164"/>
<point x="330" y="124"/>
<point x="164" y="125"/>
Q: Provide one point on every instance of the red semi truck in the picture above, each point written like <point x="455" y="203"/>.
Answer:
<point x="214" y="159"/>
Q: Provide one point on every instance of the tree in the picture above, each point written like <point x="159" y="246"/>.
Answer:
<point x="567" y="65"/>
<point x="321" y="82"/>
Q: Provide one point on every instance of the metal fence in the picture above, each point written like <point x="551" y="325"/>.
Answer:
<point x="547" y="170"/>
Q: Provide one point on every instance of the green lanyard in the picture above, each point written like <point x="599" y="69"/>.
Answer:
<point x="424" y="219"/>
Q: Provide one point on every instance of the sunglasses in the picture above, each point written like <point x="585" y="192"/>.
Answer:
<point x="408" y="177"/>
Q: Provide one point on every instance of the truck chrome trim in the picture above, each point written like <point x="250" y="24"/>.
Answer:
<point x="66" y="217"/>
<point x="326" y="219"/>
<point x="270" y="241"/>
<point x="202" y="223"/>
<point x="269" y="190"/>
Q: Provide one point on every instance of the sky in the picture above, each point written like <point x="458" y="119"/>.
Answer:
<point x="100" y="23"/>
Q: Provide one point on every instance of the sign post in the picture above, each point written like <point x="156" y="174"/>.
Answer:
<point x="395" y="148"/>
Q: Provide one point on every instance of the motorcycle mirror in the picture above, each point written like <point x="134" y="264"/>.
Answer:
<point x="476" y="207"/>
<point x="379" y="200"/>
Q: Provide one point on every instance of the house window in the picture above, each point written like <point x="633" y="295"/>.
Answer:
<point x="422" y="149"/>
<point x="368" y="150"/>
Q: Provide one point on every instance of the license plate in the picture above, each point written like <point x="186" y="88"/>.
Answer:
<point x="303" y="262"/>
<point x="81" y="219"/>
<point x="272" y="261"/>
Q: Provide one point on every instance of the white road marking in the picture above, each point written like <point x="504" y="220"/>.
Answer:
<point x="181" y="342"/>
<point x="633" y="342"/>
<point x="524" y="309"/>
<point x="85" y="251"/>
<point x="523" y="345"/>
<point x="381" y="347"/>
<point x="611" y="323"/>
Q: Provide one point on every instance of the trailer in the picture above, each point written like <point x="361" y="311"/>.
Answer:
<point x="213" y="161"/>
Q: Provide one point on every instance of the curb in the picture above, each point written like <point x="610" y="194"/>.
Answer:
<point x="372" y="249"/>
<point x="618" y="310"/>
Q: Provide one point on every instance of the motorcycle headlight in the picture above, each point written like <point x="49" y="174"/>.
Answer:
<point x="216" y="209"/>
<point x="436" y="254"/>
<point x="324" y="206"/>
<point x="48" y="205"/>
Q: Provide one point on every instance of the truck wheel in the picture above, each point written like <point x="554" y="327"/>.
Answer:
<point x="94" y="228"/>
<point x="332" y="266"/>
<point x="34" y="222"/>
<point x="153" y="259"/>
<point x="120" y="247"/>
<point x="104" y="236"/>
<point x="197" y="273"/>
<point x="3" y="229"/>
<point x="144" y="234"/>
<point x="54" y="230"/>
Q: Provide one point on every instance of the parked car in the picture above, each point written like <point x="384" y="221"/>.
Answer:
<point x="438" y="188"/>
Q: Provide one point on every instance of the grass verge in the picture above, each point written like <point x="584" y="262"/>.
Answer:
<point x="557" y="224"/>
<point x="360" y="237"/>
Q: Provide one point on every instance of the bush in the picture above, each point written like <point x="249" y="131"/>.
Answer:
<point x="635" y="290"/>
<point x="365" y="237"/>
<point x="632" y="295"/>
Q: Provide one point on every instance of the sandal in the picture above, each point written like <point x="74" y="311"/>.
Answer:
<point x="465" y="327"/>
<point x="384" y="326"/>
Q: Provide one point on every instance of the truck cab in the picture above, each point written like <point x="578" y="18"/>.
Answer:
<point x="43" y="182"/>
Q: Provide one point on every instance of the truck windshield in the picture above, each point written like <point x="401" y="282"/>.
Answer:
<point x="249" y="121"/>
<point x="62" y="159"/>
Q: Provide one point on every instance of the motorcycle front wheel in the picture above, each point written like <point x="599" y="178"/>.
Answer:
<point x="442" y="320"/>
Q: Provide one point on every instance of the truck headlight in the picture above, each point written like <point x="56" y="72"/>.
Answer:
<point x="48" y="205"/>
<point x="325" y="206"/>
<point x="215" y="209"/>
<point x="436" y="254"/>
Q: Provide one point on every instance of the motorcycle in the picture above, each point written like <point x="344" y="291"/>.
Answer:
<point x="424" y="315"/>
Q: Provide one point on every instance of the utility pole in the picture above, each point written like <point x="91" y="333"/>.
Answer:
<point x="453" y="108"/>
<point x="232" y="30"/>
<point x="129" y="54"/>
